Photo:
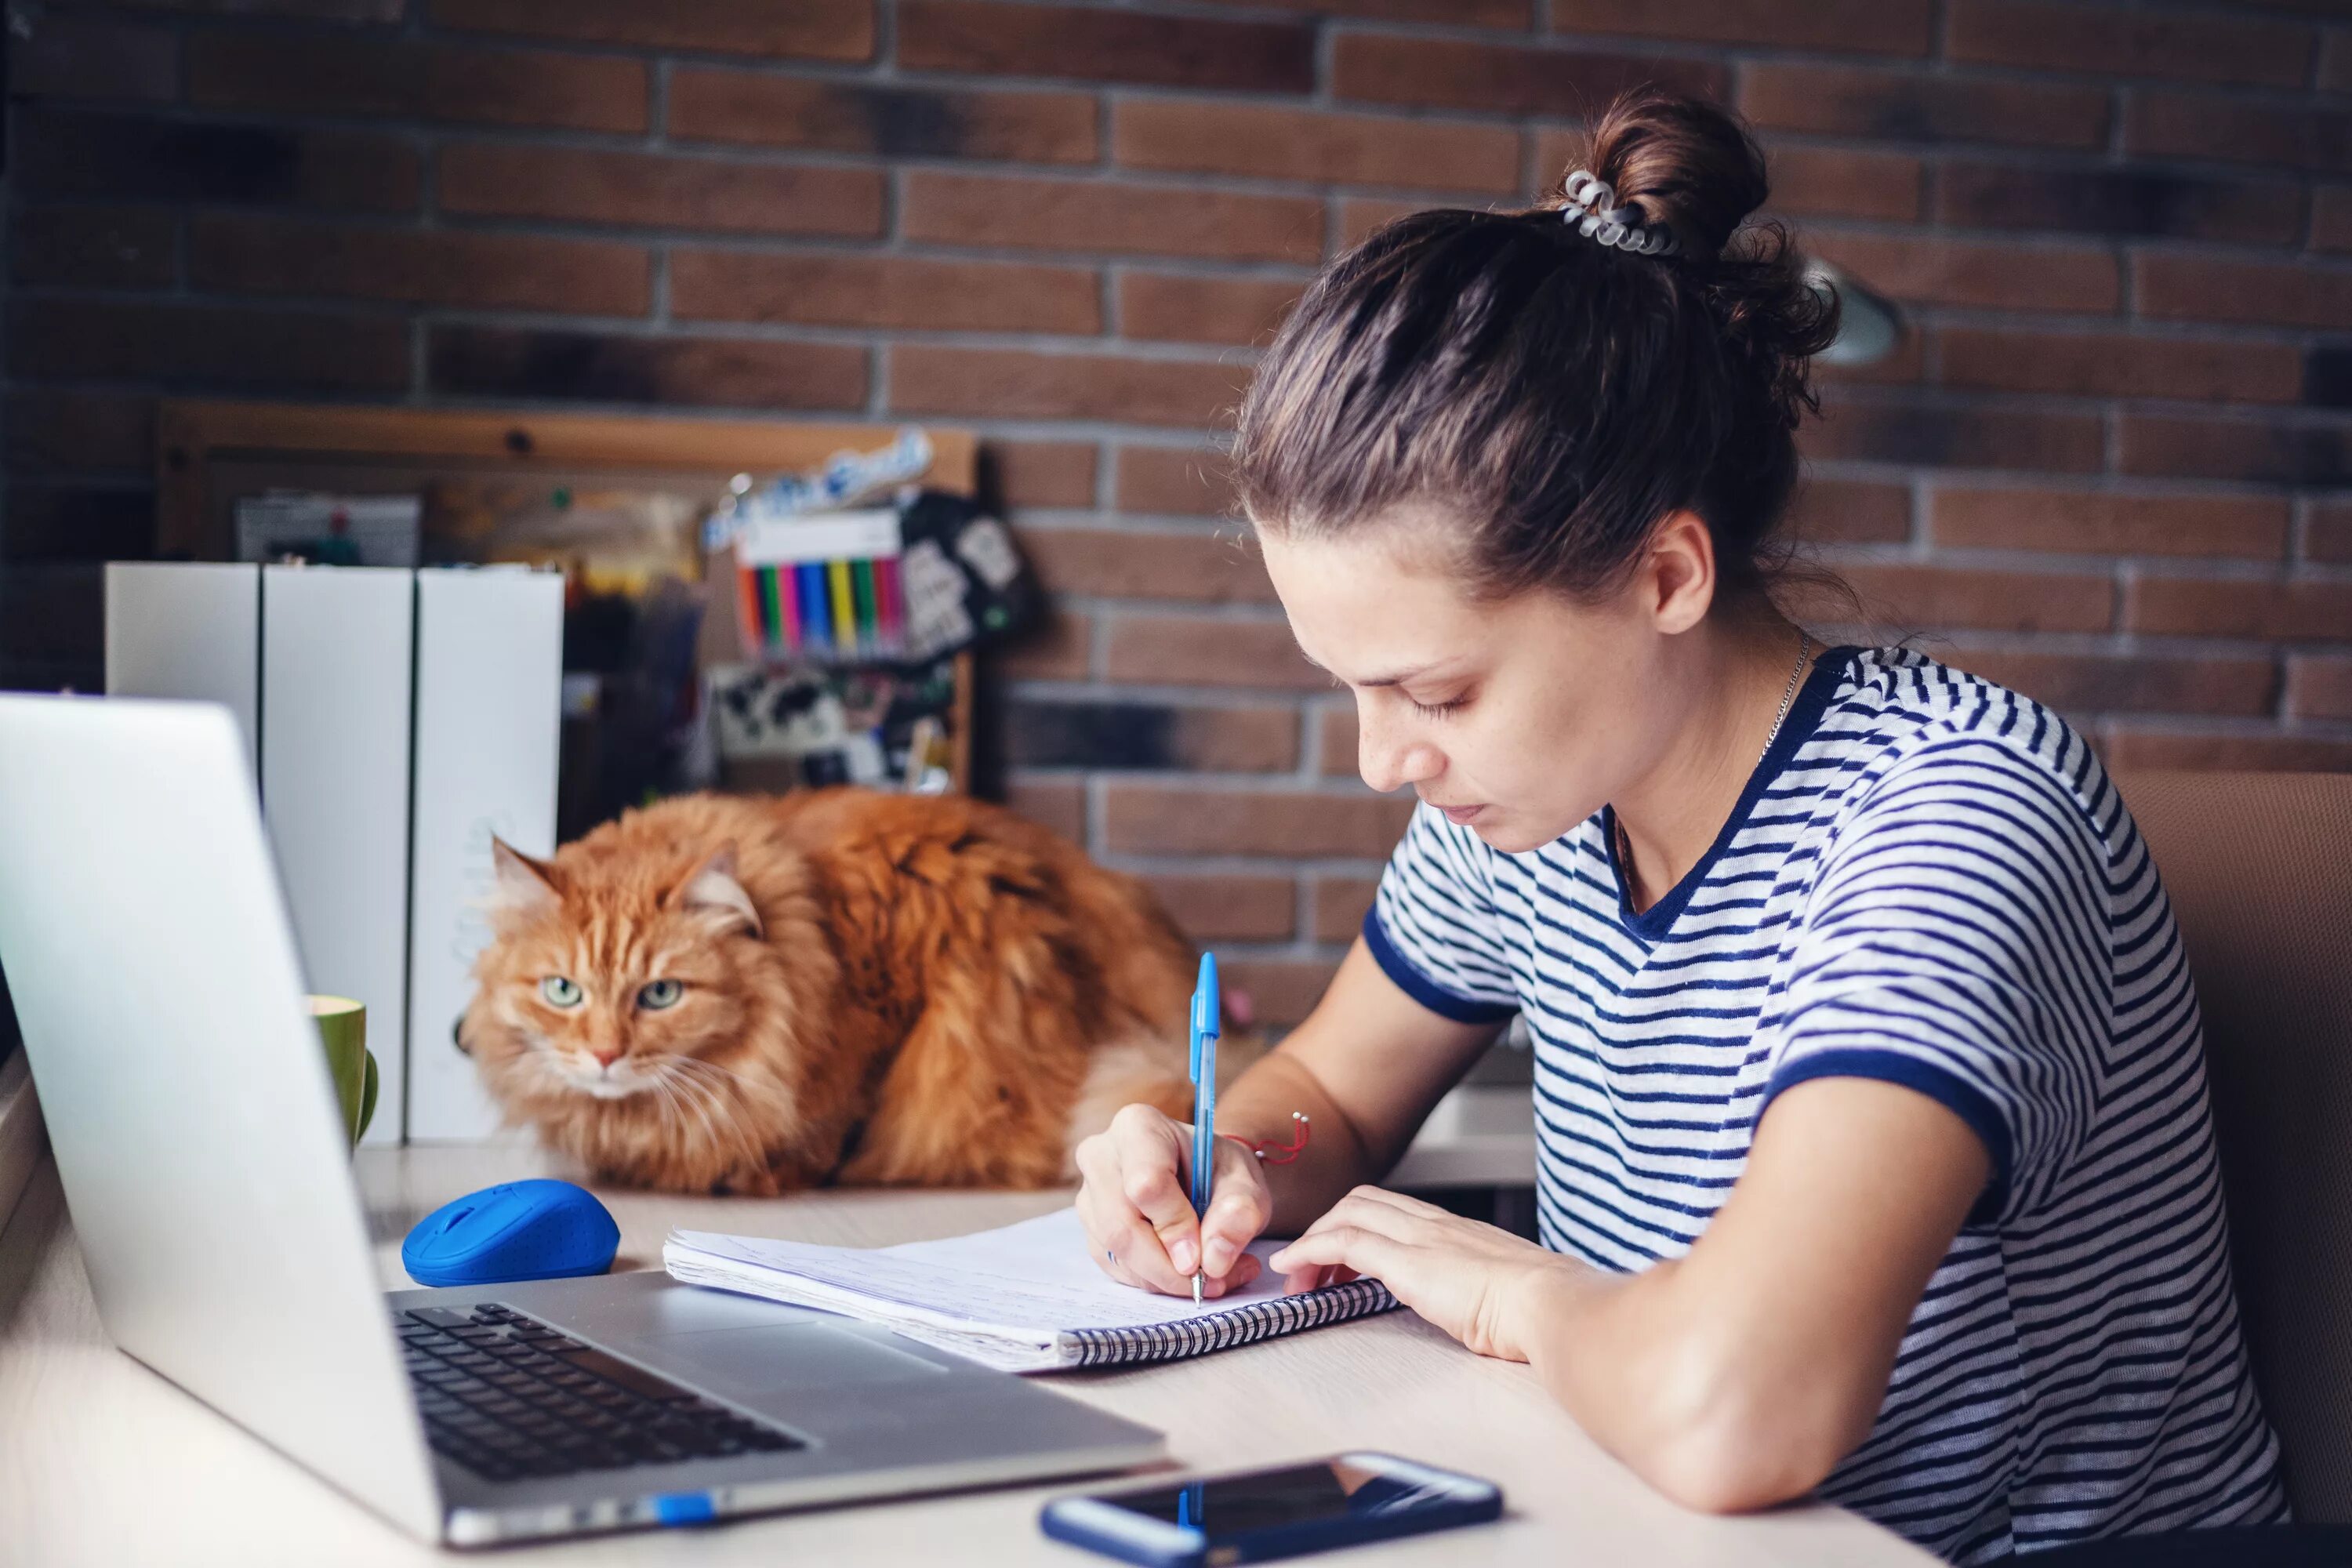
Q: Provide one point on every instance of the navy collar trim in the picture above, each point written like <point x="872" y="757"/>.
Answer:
<point x="1805" y="711"/>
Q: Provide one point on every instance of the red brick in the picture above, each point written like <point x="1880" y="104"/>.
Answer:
<point x="1060" y="647"/>
<point x="2112" y="365"/>
<point x="439" y="267"/>
<point x="2328" y="532"/>
<point x="1927" y="434"/>
<point x="1106" y="216"/>
<point x="2106" y="522"/>
<point x="2140" y="201"/>
<point x="1340" y="905"/>
<point x="721" y="372"/>
<point x="2270" y="293"/>
<point x="50" y="430"/>
<point x="810" y="30"/>
<point x="2210" y="126"/>
<point x="126" y="248"/>
<point x="2319" y="686"/>
<point x="2331" y="217"/>
<point x="2236" y="608"/>
<point x="1179" y="307"/>
<point x="1056" y="803"/>
<point x="2128" y="683"/>
<point x="1044" y="732"/>
<point x="1190" y="819"/>
<point x="2138" y="748"/>
<point x="1191" y="481"/>
<point x="1094" y="45"/>
<point x="1514" y="14"/>
<point x="1503" y="78"/>
<point x="655" y="190"/>
<point x="1015" y="383"/>
<point x="846" y="289"/>
<point x="1837" y="26"/>
<point x="205" y="345"/>
<point x="1850" y="511"/>
<point x="2254" y="450"/>
<point x="405" y="80"/>
<point x="1196" y="564"/>
<point x="1040" y="473"/>
<point x="1234" y="740"/>
<point x="1819" y="182"/>
<point x="1202" y="136"/>
<point x="75" y="56"/>
<point x="1280" y="992"/>
<point x="1336" y="723"/>
<point x="1901" y="105"/>
<point x="712" y="103"/>
<point x="142" y="157"/>
<point x="1905" y="365"/>
<point x="2016" y="277"/>
<point x="1200" y="650"/>
<point x="2113" y="40"/>
<point x="1926" y="598"/>
<point x="1228" y="906"/>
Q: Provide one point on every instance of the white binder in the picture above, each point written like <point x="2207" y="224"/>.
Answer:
<point x="187" y="630"/>
<point x="335" y="660"/>
<point x="489" y="655"/>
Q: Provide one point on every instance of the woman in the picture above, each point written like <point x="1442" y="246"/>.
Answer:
<point x="1876" y="1159"/>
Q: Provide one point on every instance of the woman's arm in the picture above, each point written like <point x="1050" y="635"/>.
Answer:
<point x="1367" y="1065"/>
<point x="1740" y="1374"/>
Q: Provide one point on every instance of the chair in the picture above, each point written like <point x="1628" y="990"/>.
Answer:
<point x="2259" y="868"/>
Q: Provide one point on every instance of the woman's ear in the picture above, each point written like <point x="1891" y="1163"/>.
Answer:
<point x="713" y="890"/>
<point x="525" y="885"/>
<point x="1678" y="576"/>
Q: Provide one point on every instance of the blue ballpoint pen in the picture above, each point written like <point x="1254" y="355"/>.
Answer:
<point x="1205" y="1009"/>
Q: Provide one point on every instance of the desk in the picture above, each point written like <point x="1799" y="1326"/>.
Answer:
<point x="103" y="1463"/>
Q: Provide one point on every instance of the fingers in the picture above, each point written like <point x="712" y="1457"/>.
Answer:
<point x="1327" y="1255"/>
<point x="1153" y="1161"/>
<point x="1138" y="1211"/>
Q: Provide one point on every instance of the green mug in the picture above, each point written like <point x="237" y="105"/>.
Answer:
<point x="342" y="1030"/>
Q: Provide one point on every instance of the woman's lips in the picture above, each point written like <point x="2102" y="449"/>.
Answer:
<point x="1461" y="815"/>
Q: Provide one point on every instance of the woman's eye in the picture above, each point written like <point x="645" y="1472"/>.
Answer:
<point x="1438" y="710"/>
<point x="561" y="992"/>
<point x="660" y="994"/>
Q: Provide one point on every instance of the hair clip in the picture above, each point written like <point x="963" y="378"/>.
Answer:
<point x="1281" y="1154"/>
<point x="1591" y="205"/>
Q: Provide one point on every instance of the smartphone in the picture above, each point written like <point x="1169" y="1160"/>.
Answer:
<point x="1253" y="1515"/>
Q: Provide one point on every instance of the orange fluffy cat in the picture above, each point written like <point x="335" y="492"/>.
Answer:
<point x="754" y="994"/>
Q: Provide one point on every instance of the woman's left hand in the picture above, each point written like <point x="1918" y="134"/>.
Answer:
<point x="1474" y="1281"/>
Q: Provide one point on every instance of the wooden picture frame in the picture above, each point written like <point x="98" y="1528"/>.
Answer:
<point x="195" y="437"/>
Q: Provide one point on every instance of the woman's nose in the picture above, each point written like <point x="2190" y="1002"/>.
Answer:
<point x="1390" y="762"/>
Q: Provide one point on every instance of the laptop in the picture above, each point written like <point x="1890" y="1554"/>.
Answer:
<point x="195" y="1131"/>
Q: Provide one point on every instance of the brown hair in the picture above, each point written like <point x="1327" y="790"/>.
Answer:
<point x="1551" y="395"/>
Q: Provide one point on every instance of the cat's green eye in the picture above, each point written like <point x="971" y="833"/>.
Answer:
<point x="660" y="994"/>
<point x="561" y="991"/>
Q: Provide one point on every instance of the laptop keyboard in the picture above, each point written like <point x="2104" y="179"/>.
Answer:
<point x="507" y="1397"/>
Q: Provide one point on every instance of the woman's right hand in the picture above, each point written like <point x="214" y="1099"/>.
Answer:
<point x="1134" y="1200"/>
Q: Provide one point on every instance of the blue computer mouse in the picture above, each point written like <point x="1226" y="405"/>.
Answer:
<point x="517" y="1230"/>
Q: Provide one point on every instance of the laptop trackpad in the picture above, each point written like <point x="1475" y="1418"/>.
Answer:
<point x="778" y="1358"/>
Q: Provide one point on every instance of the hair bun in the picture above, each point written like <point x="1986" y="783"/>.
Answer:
<point x="1683" y="163"/>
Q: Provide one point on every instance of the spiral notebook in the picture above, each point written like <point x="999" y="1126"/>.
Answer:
<point x="1026" y="1298"/>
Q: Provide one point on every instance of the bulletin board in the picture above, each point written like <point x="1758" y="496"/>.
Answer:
<point x="475" y="462"/>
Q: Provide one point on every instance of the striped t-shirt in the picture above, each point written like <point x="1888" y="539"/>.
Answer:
<point x="1928" y="880"/>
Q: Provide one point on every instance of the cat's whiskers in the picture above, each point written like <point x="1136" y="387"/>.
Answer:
<point x="674" y="1076"/>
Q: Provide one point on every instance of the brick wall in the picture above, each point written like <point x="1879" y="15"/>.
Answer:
<point x="2111" y="468"/>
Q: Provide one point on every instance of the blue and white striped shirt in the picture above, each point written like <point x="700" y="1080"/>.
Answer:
<point x="1929" y="880"/>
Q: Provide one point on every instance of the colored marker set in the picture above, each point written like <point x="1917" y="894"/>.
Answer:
<point x="824" y="587"/>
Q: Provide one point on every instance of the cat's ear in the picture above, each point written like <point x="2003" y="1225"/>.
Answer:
<point x="525" y="885"/>
<point x="713" y="890"/>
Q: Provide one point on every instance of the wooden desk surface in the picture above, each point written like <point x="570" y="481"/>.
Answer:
<point x="102" y="1462"/>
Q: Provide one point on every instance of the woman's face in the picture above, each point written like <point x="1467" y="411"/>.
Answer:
<point x="1518" y="718"/>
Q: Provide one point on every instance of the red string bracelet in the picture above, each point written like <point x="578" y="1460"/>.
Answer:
<point x="1278" y="1155"/>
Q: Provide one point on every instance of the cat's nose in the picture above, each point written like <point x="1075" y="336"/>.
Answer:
<point x="606" y="1056"/>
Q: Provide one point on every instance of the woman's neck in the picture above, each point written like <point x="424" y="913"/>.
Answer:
<point x="1671" y="815"/>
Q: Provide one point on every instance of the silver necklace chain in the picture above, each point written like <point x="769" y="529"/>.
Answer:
<point x="1788" y="695"/>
